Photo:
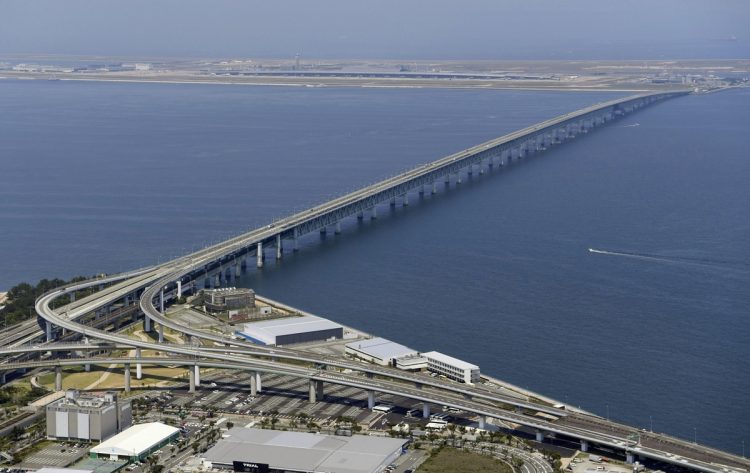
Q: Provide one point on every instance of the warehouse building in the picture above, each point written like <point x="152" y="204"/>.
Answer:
<point x="452" y="368"/>
<point x="378" y="350"/>
<point x="229" y="298"/>
<point x="272" y="451"/>
<point x="87" y="416"/>
<point x="308" y="328"/>
<point x="137" y="442"/>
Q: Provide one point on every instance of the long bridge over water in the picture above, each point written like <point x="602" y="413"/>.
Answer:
<point x="147" y="290"/>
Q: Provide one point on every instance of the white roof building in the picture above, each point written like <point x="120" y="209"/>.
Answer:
<point x="291" y="330"/>
<point x="137" y="441"/>
<point x="378" y="350"/>
<point x="260" y="450"/>
<point x="452" y="368"/>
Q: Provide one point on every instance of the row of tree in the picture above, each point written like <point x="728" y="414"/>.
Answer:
<point x="21" y="298"/>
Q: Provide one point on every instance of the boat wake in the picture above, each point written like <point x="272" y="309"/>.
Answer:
<point x="673" y="259"/>
<point x="631" y="125"/>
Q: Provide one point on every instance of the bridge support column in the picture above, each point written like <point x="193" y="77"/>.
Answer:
<point x="337" y="228"/>
<point x="253" y="385"/>
<point x="48" y="330"/>
<point x="179" y="289"/>
<point x="161" y="333"/>
<point x="237" y="270"/>
<point x="161" y="301"/>
<point x="374" y="212"/>
<point x="146" y="323"/>
<point x="629" y="458"/>
<point x="2" y="378"/>
<point x="584" y="445"/>
<point x="313" y="395"/>
<point x="481" y="168"/>
<point x="406" y="199"/>
<point x="421" y="190"/>
<point x="87" y="367"/>
<point x="279" y="247"/>
<point x="58" y="378"/>
<point x="482" y="422"/>
<point x="425" y="411"/>
<point x="138" y="366"/>
<point x="470" y="170"/>
<point x="360" y="215"/>
<point x="259" y="255"/>
<point x="539" y="436"/>
<point x="72" y="296"/>
<point x="447" y="179"/>
<point x="197" y="370"/>
<point x="191" y="375"/>
<point x="258" y="382"/>
<point x="295" y="246"/>
<point x="370" y="399"/>
<point x="217" y="279"/>
<point x="458" y="177"/>
<point x="434" y="187"/>
<point x="393" y="201"/>
<point x="127" y="377"/>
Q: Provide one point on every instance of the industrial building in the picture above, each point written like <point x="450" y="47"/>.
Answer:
<point x="137" y="442"/>
<point x="452" y="368"/>
<point x="379" y="350"/>
<point x="271" y="451"/>
<point x="286" y="331"/>
<point x="87" y="416"/>
<point x="229" y="298"/>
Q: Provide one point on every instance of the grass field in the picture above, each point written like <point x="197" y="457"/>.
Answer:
<point x="77" y="378"/>
<point x="451" y="460"/>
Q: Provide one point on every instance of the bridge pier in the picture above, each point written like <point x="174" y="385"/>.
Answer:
<point x="72" y="296"/>
<point x="161" y="333"/>
<point x="458" y="177"/>
<point x="481" y="168"/>
<point x="421" y="190"/>
<point x="584" y="446"/>
<point x="138" y="366"/>
<point x="425" y="411"/>
<point x="482" y="422"/>
<point x="629" y="458"/>
<point x="161" y="301"/>
<point x="393" y="202"/>
<point x="295" y="240"/>
<point x="197" y="370"/>
<point x="237" y="270"/>
<point x="87" y="367"/>
<point x="279" y="247"/>
<point x="360" y="215"/>
<point x="48" y="330"/>
<point x="434" y="187"/>
<point x="253" y="385"/>
<point x="259" y="255"/>
<point x="179" y="289"/>
<point x="313" y="393"/>
<point x="191" y="375"/>
<point x="2" y="378"/>
<point x="337" y="228"/>
<point x="370" y="399"/>
<point x="127" y="377"/>
<point x="58" y="378"/>
<point x="539" y="436"/>
<point x="146" y="324"/>
<point x="258" y="383"/>
<point x="447" y="179"/>
<point x="470" y="171"/>
<point x="374" y="212"/>
<point x="217" y="279"/>
<point x="406" y="199"/>
<point x="323" y="230"/>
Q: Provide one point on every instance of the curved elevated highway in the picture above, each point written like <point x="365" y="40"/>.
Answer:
<point x="152" y="286"/>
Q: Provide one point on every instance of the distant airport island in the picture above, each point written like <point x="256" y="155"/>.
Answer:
<point x="651" y="75"/>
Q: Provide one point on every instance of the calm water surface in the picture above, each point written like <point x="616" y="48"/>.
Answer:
<point x="106" y="177"/>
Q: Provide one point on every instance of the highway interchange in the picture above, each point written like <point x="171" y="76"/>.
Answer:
<point x="155" y="283"/>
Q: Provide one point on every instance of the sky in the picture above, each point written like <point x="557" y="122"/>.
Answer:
<point x="409" y="29"/>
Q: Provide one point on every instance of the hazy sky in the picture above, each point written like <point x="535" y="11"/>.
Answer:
<point x="513" y="29"/>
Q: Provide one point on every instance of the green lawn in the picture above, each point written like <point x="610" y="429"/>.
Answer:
<point x="451" y="460"/>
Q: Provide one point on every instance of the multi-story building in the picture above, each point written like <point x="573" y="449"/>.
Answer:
<point x="88" y="416"/>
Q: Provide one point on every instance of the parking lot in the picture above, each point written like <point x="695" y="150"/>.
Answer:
<point x="55" y="455"/>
